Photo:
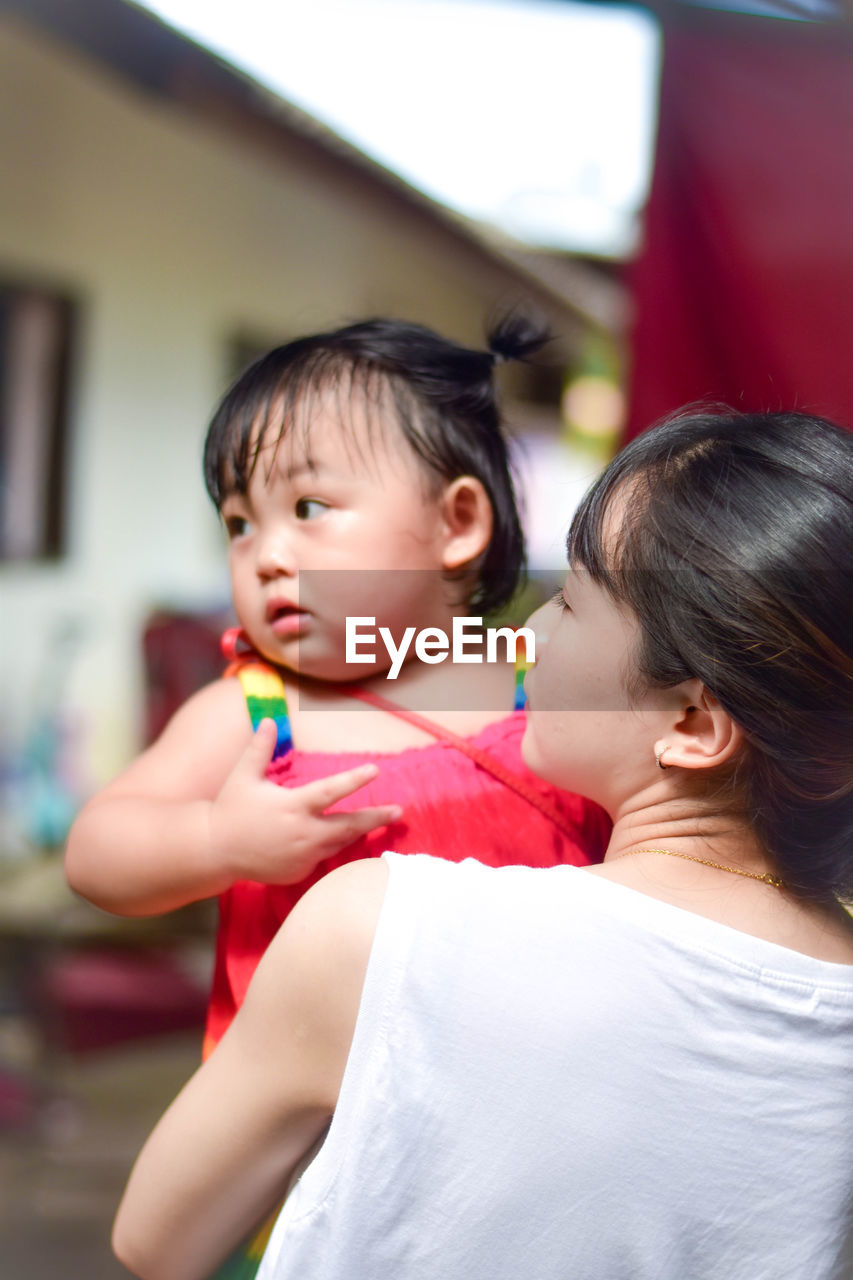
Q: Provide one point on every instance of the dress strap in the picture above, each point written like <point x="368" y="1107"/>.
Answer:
<point x="263" y="689"/>
<point x="520" y="785"/>
<point x="522" y="666"/>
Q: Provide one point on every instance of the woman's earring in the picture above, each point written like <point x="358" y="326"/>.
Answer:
<point x="659" y="761"/>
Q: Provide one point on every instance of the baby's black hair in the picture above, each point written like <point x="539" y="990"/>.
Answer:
<point x="443" y="397"/>
<point x="734" y="551"/>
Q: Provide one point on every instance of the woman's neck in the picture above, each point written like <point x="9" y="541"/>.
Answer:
<point x="742" y="902"/>
<point x="678" y="827"/>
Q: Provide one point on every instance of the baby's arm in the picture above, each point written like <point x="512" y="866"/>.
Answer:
<point x="142" y="845"/>
<point x="223" y="1153"/>
<point x="194" y="813"/>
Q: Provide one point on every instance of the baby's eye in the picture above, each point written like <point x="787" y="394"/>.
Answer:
<point x="561" y="602"/>
<point x="309" y="508"/>
<point x="235" y="526"/>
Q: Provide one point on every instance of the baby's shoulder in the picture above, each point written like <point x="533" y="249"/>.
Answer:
<point x="221" y="702"/>
<point x="214" y="719"/>
<point x="196" y="750"/>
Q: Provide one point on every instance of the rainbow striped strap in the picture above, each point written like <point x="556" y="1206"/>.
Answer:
<point x="264" y="692"/>
<point x="522" y="666"/>
<point x="263" y="689"/>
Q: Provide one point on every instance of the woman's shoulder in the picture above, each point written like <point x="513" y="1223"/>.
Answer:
<point x="331" y="928"/>
<point x="751" y="919"/>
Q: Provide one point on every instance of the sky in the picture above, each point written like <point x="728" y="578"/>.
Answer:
<point x="534" y="116"/>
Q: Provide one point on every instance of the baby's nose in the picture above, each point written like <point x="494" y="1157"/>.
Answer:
<point x="275" y="556"/>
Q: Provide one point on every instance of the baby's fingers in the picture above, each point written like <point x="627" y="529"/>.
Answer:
<point x="325" y="792"/>
<point x="341" y="829"/>
<point x="258" y="753"/>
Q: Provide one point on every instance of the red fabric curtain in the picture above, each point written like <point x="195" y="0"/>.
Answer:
<point x="744" y="286"/>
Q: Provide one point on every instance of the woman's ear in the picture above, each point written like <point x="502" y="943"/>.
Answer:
<point x="467" y="520"/>
<point x="702" y="735"/>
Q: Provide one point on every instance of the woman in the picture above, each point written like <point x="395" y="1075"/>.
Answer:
<point x="639" y="1070"/>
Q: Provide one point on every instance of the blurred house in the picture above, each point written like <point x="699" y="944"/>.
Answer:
<point x="161" y="219"/>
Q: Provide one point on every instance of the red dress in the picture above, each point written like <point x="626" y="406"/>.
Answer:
<point x="452" y="807"/>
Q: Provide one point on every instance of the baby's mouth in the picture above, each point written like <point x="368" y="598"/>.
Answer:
<point x="284" y="617"/>
<point x="280" y="609"/>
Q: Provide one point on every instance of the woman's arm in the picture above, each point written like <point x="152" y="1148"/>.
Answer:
<point x="223" y="1153"/>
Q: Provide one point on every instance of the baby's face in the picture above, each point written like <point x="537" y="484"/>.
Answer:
<point x="336" y="522"/>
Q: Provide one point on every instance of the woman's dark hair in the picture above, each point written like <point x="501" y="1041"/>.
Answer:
<point x="442" y="394"/>
<point x="732" y="543"/>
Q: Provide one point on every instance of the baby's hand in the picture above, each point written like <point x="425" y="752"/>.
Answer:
<point x="260" y="831"/>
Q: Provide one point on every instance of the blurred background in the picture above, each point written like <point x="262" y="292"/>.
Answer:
<point x="187" y="183"/>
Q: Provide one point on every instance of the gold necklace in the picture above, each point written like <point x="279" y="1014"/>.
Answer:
<point x="766" y="878"/>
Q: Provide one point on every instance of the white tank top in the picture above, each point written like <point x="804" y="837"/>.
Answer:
<point x="556" y="1076"/>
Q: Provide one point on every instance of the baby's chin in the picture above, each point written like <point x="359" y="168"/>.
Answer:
<point x="308" y="661"/>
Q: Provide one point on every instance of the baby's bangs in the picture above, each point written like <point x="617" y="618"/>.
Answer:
<point x="230" y="448"/>
<point x="275" y="396"/>
<point x="353" y="391"/>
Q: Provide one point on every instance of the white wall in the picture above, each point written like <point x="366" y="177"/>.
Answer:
<point x="174" y="237"/>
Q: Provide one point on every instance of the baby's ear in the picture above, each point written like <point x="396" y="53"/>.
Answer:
<point x="467" y="520"/>
<point x="703" y="735"/>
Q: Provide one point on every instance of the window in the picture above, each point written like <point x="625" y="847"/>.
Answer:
<point x="35" y="341"/>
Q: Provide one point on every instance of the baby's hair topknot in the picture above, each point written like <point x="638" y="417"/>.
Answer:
<point x="516" y="336"/>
